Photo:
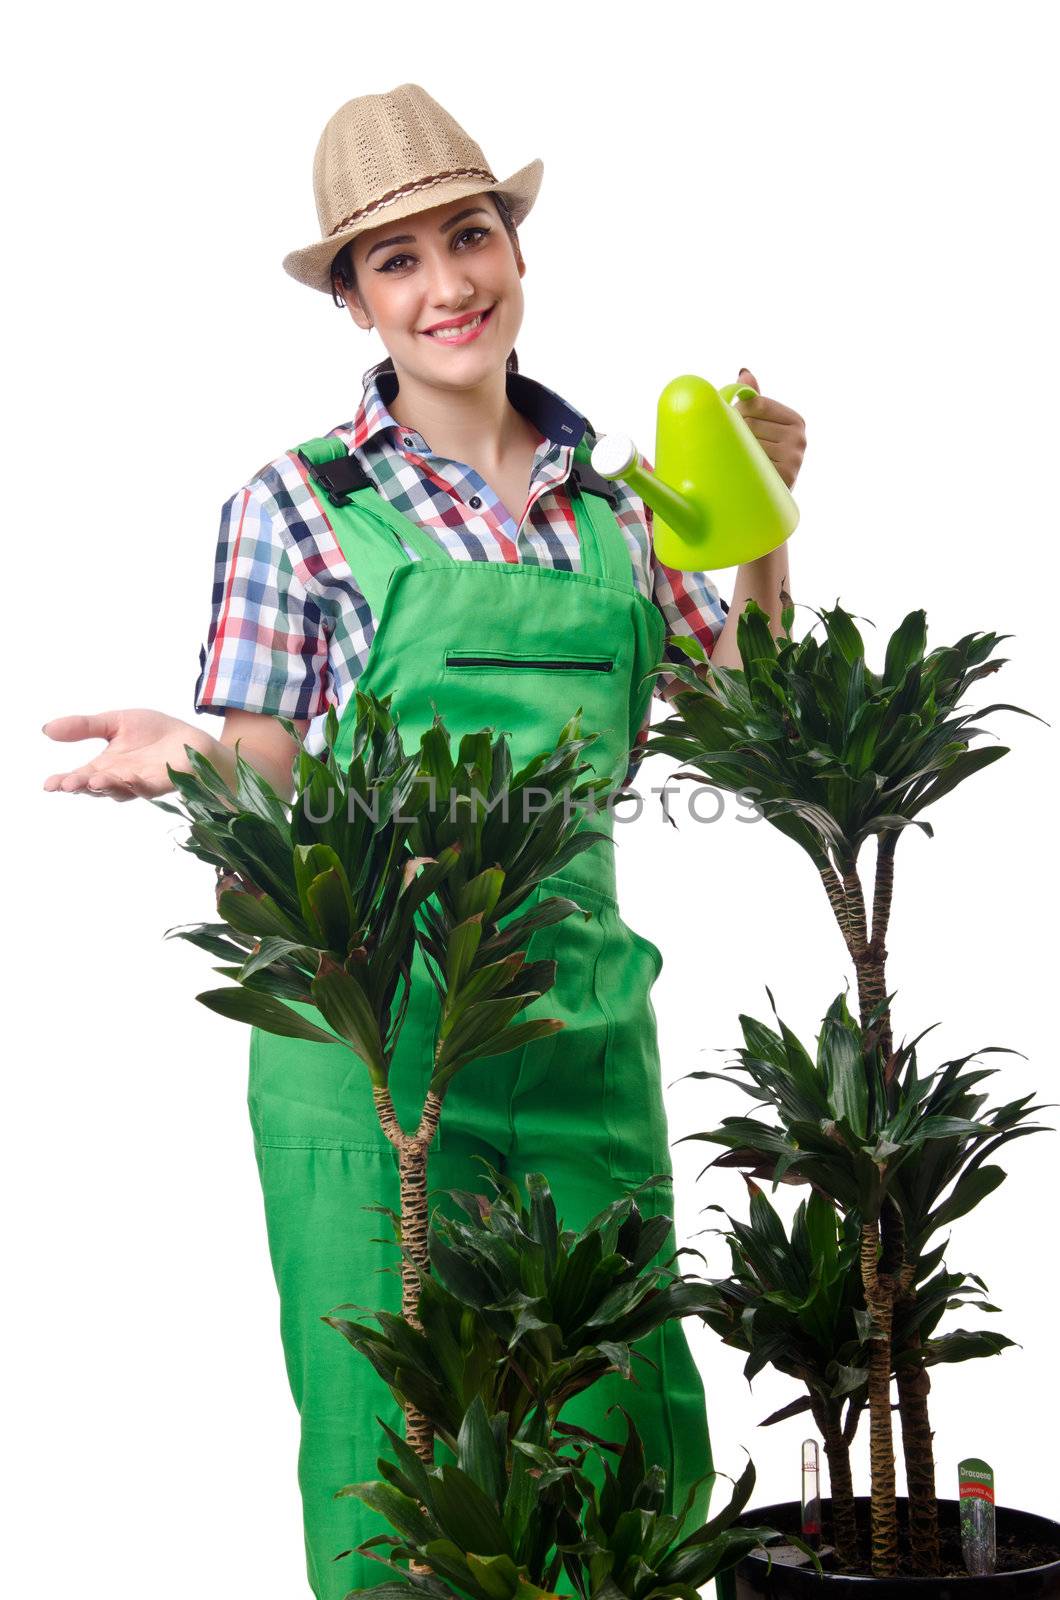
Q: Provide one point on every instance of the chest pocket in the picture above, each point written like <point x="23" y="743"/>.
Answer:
<point x="474" y="659"/>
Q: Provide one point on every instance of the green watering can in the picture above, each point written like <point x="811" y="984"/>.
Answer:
<point x="718" y="500"/>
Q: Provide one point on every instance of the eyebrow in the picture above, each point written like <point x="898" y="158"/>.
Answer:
<point x="410" y="238"/>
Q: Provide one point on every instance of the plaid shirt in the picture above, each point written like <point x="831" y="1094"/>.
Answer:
<point x="290" y="629"/>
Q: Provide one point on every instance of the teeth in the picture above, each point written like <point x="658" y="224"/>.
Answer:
<point x="456" y="333"/>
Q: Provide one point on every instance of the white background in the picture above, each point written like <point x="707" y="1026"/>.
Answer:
<point x="856" y="203"/>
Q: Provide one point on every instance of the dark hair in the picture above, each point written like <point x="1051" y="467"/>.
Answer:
<point x="344" y="274"/>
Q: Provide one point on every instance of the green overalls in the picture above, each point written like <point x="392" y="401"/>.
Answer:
<point x="517" y="648"/>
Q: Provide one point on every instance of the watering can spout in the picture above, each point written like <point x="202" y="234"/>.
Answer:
<point x="616" y="456"/>
<point x="717" y="499"/>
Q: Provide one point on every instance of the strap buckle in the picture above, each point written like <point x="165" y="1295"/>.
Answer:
<point x="338" y="478"/>
<point x="589" y="481"/>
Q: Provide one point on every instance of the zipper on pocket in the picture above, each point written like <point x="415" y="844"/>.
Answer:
<point x="552" y="664"/>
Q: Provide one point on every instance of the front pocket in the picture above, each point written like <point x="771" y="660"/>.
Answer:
<point x="307" y="1095"/>
<point x="535" y="663"/>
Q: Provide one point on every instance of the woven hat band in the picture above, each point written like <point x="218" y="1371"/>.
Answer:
<point x="410" y="188"/>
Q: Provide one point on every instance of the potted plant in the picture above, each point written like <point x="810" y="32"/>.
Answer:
<point x="797" y="1303"/>
<point x="517" y="1315"/>
<point x="915" y="1127"/>
<point x="507" y="1317"/>
<point x="836" y="753"/>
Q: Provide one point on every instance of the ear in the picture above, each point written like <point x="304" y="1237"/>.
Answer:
<point x="355" y="308"/>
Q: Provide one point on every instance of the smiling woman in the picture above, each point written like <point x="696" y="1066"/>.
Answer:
<point x="451" y="547"/>
<point x="449" y="533"/>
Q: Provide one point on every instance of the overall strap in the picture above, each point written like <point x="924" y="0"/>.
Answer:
<point x="371" y="525"/>
<point x="594" y="499"/>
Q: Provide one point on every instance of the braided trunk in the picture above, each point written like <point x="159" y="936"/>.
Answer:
<point x="876" y="972"/>
<point x="879" y="1297"/>
<point x="869" y="956"/>
<point x="914" y="1386"/>
<point x="840" y="1482"/>
<point x="412" y="1149"/>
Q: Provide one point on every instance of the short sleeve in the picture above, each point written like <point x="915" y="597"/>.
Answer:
<point x="267" y="645"/>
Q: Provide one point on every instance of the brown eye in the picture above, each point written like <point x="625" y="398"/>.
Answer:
<point x="463" y="234"/>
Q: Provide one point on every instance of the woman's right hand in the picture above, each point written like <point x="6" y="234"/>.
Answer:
<point x="140" y="744"/>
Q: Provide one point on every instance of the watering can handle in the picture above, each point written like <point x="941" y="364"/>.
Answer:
<point x="737" y="391"/>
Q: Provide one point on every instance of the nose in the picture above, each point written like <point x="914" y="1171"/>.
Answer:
<point x="449" y="284"/>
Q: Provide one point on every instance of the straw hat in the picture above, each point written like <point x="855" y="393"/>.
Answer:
<point x="385" y="156"/>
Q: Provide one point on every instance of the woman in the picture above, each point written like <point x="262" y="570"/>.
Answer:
<point x="451" y="533"/>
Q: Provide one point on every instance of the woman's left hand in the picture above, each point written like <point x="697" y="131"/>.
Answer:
<point x="780" y="431"/>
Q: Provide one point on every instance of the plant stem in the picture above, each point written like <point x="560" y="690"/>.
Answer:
<point x="914" y="1386"/>
<point x="883" y="889"/>
<point x="412" y="1152"/>
<point x="412" y="1172"/>
<point x="840" y="1482"/>
<point x="861" y="955"/>
<point x="833" y="888"/>
<point x="850" y="1426"/>
<point x="876" y="952"/>
<point x="879" y="1297"/>
<point x="869" y="957"/>
<point x="846" y="896"/>
<point x="855" y="905"/>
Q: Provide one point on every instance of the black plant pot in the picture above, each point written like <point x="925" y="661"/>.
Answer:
<point x="1038" y="1536"/>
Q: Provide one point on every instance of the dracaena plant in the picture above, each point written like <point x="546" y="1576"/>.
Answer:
<point x="797" y="1304"/>
<point x="901" y="1156"/>
<point x="522" y="1311"/>
<point x="518" y="1315"/>
<point x="323" y="899"/>
<point x="835" y="753"/>
<point x="510" y="1522"/>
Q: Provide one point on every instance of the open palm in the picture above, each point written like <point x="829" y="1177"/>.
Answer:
<point x="140" y="744"/>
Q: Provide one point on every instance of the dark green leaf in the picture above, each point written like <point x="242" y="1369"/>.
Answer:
<point x="261" y="1011"/>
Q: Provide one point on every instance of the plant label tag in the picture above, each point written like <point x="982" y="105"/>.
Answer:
<point x="977" y="1515"/>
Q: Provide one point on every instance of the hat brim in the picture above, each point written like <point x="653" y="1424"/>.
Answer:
<point x="312" y="264"/>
